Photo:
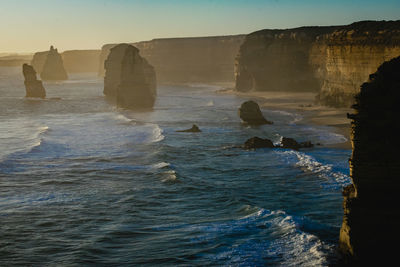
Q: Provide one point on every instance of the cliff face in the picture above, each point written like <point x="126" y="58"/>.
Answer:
<point x="53" y="68"/>
<point x="129" y="78"/>
<point x="278" y="60"/>
<point x="183" y="60"/>
<point x="34" y="87"/>
<point x="333" y="61"/>
<point x="75" y="61"/>
<point x="370" y="229"/>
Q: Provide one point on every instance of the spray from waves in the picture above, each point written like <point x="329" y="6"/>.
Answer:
<point x="306" y="162"/>
<point x="21" y="139"/>
<point x="284" y="244"/>
<point x="294" y="117"/>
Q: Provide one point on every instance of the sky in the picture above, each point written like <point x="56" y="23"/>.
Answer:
<point x="34" y="25"/>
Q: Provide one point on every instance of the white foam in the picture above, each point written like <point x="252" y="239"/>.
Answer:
<point x="308" y="163"/>
<point x="170" y="176"/>
<point x="157" y="134"/>
<point x="122" y="118"/>
<point x="295" y="116"/>
<point x="160" y="165"/>
<point x="210" y="103"/>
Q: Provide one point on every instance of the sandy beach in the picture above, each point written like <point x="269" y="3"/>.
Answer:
<point x="303" y="103"/>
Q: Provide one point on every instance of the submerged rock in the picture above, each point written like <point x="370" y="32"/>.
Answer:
<point x="33" y="86"/>
<point x="250" y="113"/>
<point x="53" y="68"/>
<point x="194" y="129"/>
<point x="129" y="78"/>
<point x="370" y="229"/>
<point x="257" y="142"/>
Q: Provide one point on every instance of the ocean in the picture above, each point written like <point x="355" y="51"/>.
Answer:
<point x="83" y="182"/>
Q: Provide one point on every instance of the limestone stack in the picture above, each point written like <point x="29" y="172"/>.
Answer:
<point x="53" y="68"/>
<point x="33" y="86"/>
<point x="370" y="230"/>
<point x="251" y="114"/>
<point x="129" y="78"/>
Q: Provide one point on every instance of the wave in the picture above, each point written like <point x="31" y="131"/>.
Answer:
<point x="326" y="171"/>
<point x="160" y="165"/>
<point x="295" y="117"/>
<point x="285" y="243"/>
<point x="157" y="134"/>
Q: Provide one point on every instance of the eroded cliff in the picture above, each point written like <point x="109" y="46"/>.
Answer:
<point x="370" y="229"/>
<point x="333" y="61"/>
<point x="185" y="60"/>
<point x="129" y="78"/>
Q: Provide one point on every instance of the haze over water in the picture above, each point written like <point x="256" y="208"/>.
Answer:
<point x="83" y="182"/>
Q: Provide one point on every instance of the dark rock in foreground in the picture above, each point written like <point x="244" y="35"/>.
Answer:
<point x="194" y="129"/>
<point x="129" y="78"/>
<point x="33" y="86"/>
<point x="293" y="144"/>
<point x="250" y="113"/>
<point x="370" y="231"/>
<point x="53" y="69"/>
<point x="257" y="142"/>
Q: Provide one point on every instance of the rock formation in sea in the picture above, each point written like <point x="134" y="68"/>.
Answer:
<point x="370" y="231"/>
<point x="250" y="113"/>
<point x="129" y="78"/>
<point x="75" y="61"/>
<point x="331" y="61"/>
<point x="33" y="86"/>
<point x="288" y="142"/>
<point x="53" y="68"/>
<point x="257" y="142"/>
<point x="189" y="60"/>
<point x="194" y="129"/>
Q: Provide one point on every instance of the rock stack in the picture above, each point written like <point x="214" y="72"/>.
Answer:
<point x="251" y="114"/>
<point x="53" y="68"/>
<point x="33" y="86"/>
<point x="129" y="78"/>
<point x="370" y="230"/>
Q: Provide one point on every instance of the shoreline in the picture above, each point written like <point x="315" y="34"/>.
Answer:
<point x="303" y="103"/>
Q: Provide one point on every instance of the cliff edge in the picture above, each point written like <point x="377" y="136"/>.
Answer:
<point x="370" y="229"/>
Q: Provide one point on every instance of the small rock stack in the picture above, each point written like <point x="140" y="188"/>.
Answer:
<point x="33" y="86"/>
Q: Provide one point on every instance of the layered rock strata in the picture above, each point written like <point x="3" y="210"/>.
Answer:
<point x="129" y="78"/>
<point x="53" y="68"/>
<point x="332" y="61"/>
<point x="370" y="229"/>
<point x="33" y="86"/>
<point x="189" y="60"/>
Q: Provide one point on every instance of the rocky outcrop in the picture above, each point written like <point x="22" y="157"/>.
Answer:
<point x="53" y="68"/>
<point x="75" y="61"/>
<point x="290" y="143"/>
<point x="370" y="229"/>
<point x="257" y="142"/>
<point x="332" y="61"/>
<point x="189" y="60"/>
<point x="250" y="113"/>
<point x="33" y="86"/>
<point x="129" y="78"/>
<point x="194" y="129"/>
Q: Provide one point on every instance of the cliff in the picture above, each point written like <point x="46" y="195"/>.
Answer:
<point x="370" y="229"/>
<point x="75" y="61"/>
<point x="34" y="87"/>
<point x="129" y="78"/>
<point x="53" y="68"/>
<point x="333" y="61"/>
<point x="184" y="60"/>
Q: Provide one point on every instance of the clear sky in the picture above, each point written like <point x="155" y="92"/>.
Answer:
<point x="32" y="25"/>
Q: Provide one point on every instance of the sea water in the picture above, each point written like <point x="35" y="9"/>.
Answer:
<point x="85" y="183"/>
